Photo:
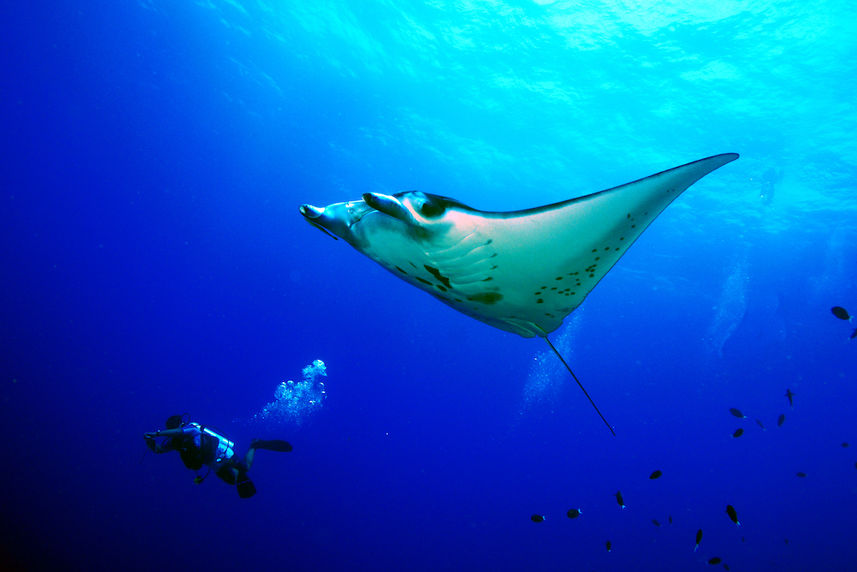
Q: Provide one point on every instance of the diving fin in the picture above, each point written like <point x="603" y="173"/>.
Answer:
<point x="245" y="486"/>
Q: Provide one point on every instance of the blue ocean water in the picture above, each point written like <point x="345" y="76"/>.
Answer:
<point x="155" y="153"/>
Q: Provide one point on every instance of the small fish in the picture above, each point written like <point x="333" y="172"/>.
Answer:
<point x="655" y="522"/>
<point x="733" y="516"/>
<point x="790" y="395"/>
<point x="781" y="419"/>
<point x="800" y="474"/>
<point x="737" y="413"/>
<point x="655" y="474"/>
<point x="619" y="499"/>
<point x="715" y="560"/>
<point x="844" y="444"/>
<point x="760" y="424"/>
<point x="574" y="512"/>
<point x="698" y="539"/>
<point x="841" y="313"/>
<point x="538" y="518"/>
<point x="609" y="546"/>
<point x="738" y="432"/>
<point x="670" y="519"/>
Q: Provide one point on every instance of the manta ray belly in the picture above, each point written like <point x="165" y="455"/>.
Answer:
<point x="457" y="264"/>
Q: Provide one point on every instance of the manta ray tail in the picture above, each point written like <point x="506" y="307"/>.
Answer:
<point x="580" y="385"/>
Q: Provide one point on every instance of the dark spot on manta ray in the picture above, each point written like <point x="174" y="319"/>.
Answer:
<point x="424" y="281"/>
<point x="436" y="273"/>
<point x="594" y="250"/>
<point x="400" y="270"/>
<point x="553" y="287"/>
<point x="412" y="264"/>
<point x="439" y="287"/>
<point x="558" y="278"/>
<point x="489" y="279"/>
<point x="486" y="297"/>
<point x="540" y="301"/>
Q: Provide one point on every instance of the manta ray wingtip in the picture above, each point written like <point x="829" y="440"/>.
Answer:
<point x="728" y="156"/>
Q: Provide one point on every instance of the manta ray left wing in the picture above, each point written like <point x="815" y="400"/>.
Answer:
<point x="525" y="271"/>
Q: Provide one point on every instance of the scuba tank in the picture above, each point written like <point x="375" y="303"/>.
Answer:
<point x="224" y="448"/>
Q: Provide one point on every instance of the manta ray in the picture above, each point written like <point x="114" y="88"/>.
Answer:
<point x="521" y="271"/>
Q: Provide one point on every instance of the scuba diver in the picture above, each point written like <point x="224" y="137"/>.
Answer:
<point x="198" y="445"/>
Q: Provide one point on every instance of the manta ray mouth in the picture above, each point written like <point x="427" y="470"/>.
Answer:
<point x="311" y="215"/>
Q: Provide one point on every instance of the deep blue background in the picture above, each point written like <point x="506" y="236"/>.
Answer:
<point x="153" y="158"/>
